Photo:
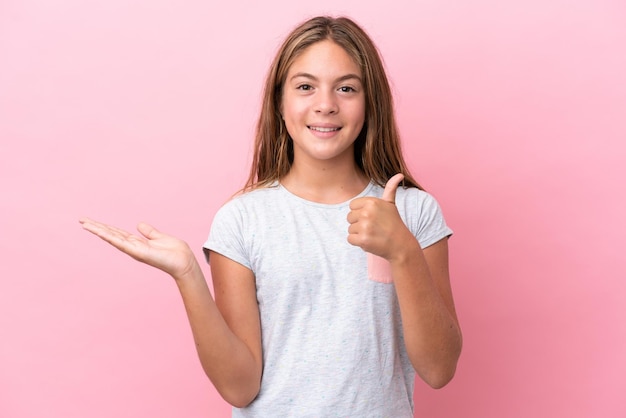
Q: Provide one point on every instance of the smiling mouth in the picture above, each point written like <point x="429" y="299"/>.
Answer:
<point x="319" y="129"/>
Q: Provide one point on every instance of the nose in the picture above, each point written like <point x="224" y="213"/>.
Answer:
<point x="326" y="102"/>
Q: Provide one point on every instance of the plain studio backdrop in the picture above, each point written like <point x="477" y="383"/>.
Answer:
<point x="512" y="113"/>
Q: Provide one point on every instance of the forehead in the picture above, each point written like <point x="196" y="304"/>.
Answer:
<point x="324" y="58"/>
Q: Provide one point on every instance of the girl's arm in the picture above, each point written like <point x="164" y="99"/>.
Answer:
<point x="235" y="298"/>
<point x="432" y="333"/>
<point x="228" y="342"/>
<point x="431" y="329"/>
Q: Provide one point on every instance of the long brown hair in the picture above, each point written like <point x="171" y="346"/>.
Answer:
<point x="377" y="149"/>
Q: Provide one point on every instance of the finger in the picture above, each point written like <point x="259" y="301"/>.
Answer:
<point x="100" y="228"/>
<point x="353" y="240"/>
<point x="389" y="194"/>
<point x="119" y="238"/>
<point x="353" y="216"/>
<point x="106" y="233"/>
<point x="358" y="202"/>
<point x="353" y="231"/>
<point x="88" y="221"/>
<point x="119" y="231"/>
<point x="148" y="231"/>
<point x="93" y="226"/>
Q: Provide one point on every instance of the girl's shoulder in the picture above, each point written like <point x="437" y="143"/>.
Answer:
<point x="422" y="214"/>
<point x="406" y="195"/>
<point x="253" y="204"/>
<point x="243" y="197"/>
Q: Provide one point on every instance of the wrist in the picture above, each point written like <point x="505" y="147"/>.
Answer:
<point x="190" y="273"/>
<point x="405" y="250"/>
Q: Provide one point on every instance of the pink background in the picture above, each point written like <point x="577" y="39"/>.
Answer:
<point x="513" y="115"/>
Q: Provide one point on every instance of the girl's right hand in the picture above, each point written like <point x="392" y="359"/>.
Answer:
<point x="154" y="248"/>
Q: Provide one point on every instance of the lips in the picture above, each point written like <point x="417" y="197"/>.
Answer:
<point x="324" y="129"/>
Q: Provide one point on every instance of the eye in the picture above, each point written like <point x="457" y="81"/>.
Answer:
<point x="304" y="87"/>
<point x="347" y="89"/>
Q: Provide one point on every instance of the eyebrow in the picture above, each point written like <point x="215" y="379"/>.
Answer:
<point x="342" y="78"/>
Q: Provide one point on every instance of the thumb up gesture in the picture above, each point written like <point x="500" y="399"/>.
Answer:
<point x="375" y="224"/>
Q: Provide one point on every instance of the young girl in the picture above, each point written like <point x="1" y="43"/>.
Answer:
<point x="296" y="329"/>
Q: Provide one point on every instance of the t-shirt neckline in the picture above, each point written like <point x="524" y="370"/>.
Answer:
<point x="293" y="196"/>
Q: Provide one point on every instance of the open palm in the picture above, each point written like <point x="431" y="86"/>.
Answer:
<point x="152" y="247"/>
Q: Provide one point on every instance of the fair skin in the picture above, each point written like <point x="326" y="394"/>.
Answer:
<point x="323" y="88"/>
<point x="229" y="347"/>
<point x="323" y="106"/>
<point x="421" y="276"/>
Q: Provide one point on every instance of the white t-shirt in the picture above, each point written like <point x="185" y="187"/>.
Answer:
<point x="332" y="339"/>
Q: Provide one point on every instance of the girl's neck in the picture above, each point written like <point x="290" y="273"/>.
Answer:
<point x="325" y="185"/>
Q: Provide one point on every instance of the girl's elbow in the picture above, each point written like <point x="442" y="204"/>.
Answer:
<point x="238" y="398"/>
<point x="440" y="372"/>
<point x="439" y="379"/>
<point x="239" y="394"/>
<point x="239" y="403"/>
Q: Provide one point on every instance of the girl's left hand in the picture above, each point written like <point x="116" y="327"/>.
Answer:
<point x="375" y="224"/>
<point x="152" y="247"/>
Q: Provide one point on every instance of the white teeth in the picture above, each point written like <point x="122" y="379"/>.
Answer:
<point x="316" y="128"/>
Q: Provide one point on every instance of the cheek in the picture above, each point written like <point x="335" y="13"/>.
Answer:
<point x="291" y="116"/>
<point x="286" y="106"/>
<point x="293" y="111"/>
<point x="359" y="113"/>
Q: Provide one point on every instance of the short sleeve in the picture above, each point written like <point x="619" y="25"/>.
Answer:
<point x="226" y="235"/>
<point x="425" y="218"/>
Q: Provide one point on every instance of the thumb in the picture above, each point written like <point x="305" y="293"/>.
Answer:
<point x="148" y="231"/>
<point x="389" y="194"/>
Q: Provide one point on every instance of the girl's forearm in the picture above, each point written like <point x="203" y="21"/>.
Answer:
<point x="431" y="331"/>
<point x="226" y="360"/>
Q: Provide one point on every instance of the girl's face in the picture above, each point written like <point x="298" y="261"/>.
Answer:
<point x="323" y="104"/>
